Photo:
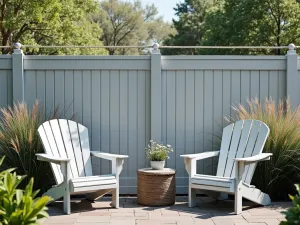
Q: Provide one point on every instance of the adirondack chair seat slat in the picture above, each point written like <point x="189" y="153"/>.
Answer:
<point x="241" y="149"/>
<point x="66" y="144"/>
<point x="212" y="181"/>
<point x="95" y="182"/>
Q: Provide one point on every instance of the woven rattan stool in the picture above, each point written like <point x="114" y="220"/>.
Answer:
<point x="156" y="187"/>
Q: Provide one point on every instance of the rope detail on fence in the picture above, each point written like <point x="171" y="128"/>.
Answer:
<point x="161" y="47"/>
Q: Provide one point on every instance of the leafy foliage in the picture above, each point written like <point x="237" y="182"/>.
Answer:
<point x="253" y="23"/>
<point x="189" y="26"/>
<point x="277" y="176"/>
<point x="292" y="215"/>
<point x="50" y="22"/>
<point x="126" y="23"/>
<point x="19" y="142"/>
<point x="158" y="152"/>
<point x="19" y="207"/>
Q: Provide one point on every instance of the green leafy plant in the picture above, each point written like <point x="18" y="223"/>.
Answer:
<point x="292" y="215"/>
<point x="17" y="206"/>
<point x="277" y="176"/>
<point x="19" y="143"/>
<point x="158" y="152"/>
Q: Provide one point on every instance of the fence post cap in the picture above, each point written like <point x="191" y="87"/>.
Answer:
<point x="291" y="46"/>
<point x="292" y="49"/>
<point x="17" y="45"/>
<point x="155" y="47"/>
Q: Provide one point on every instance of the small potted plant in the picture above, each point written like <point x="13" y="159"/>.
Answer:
<point x="157" y="154"/>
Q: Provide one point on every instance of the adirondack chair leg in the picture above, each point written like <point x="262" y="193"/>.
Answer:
<point x="238" y="203"/>
<point x="115" y="197"/>
<point x="192" y="197"/>
<point x="255" y="195"/>
<point x="55" y="192"/>
<point x="65" y="168"/>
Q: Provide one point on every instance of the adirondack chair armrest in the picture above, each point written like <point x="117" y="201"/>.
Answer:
<point x="108" y="156"/>
<point x="255" y="159"/>
<point x="52" y="159"/>
<point x="116" y="161"/>
<point x="199" y="156"/>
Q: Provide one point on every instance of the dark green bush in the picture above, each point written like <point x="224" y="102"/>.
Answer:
<point x="292" y="215"/>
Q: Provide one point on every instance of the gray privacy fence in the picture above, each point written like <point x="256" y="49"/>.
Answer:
<point x="127" y="100"/>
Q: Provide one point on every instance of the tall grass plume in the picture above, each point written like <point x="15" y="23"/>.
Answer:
<point x="277" y="176"/>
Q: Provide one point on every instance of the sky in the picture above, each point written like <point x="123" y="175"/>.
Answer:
<point x="165" y="7"/>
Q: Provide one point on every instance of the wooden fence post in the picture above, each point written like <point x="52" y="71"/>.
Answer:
<point x="291" y="76"/>
<point x="156" y="134"/>
<point x="18" y="74"/>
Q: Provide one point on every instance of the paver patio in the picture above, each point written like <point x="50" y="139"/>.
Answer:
<point x="207" y="212"/>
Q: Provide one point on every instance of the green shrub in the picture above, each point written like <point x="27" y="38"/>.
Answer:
<point x="19" y="207"/>
<point x="292" y="215"/>
<point x="19" y="142"/>
<point x="158" y="152"/>
<point x="277" y="176"/>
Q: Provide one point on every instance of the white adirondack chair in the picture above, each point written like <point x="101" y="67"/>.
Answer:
<point x="241" y="149"/>
<point x="66" y="144"/>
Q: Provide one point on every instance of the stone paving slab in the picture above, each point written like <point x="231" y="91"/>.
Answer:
<point x="207" y="212"/>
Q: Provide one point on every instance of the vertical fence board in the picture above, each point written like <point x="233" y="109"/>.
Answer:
<point x="264" y="86"/>
<point x="141" y="122"/>
<point x="245" y="88"/>
<point x="199" y="117"/>
<point x="95" y="132"/>
<point x="171" y="115"/>
<point x="114" y="108"/>
<point x="30" y="84"/>
<point x="78" y="96"/>
<point x="208" y="117"/>
<point x="41" y="88"/>
<point x="254" y="85"/>
<point x="105" y="132"/>
<point x="274" y="85"/>
<point x="3" y="88"/>
<point x="190" y="112"/>
<point x="69" y="94"/>
<point x="124" y="119"/>
<point x="59" y="92"/>
<point x="132" y="123"/>
<point x="180" y="122"/>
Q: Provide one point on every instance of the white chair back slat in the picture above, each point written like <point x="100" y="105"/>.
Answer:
<point x="76" y="147"/>
<point x="65" y="132"/>
<point x="46" y="135"/>
<point x="236" y="136"/>
<point x="225" y="144"/>
<point x="252" y="140"/>
<point x="259" y="145"/>
<point x="243" y="143"/>
<point x="58" y="139"/>
<point x="85" y="148"/>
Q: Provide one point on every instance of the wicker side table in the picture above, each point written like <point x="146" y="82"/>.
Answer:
<point x="156" y="187"/>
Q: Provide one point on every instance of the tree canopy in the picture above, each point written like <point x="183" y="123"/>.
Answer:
<point x="189" y="26"/>
<point x="235" y="23"/>
<point x="254" y="23"/>
<point x="126" y="23"/>
<point x="49" y="22"/>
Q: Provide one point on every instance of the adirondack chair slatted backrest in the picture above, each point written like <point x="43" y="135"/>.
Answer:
<point x="67" y="139"/>
<point x="241" y="139"/>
